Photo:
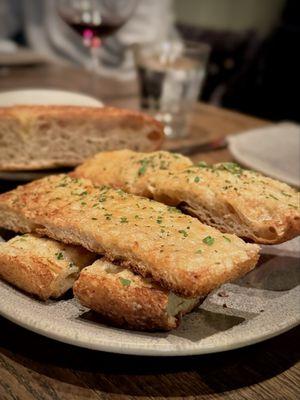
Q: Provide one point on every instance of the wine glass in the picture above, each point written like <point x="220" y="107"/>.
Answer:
<point x="94" y="20"/>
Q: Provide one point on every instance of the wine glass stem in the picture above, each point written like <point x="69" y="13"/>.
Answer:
<point x="94" y="68"/>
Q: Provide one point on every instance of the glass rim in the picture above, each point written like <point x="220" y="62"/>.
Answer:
<point x="191" y="47"/>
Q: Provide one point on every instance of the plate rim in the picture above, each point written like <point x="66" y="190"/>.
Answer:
<point x="131" y="349"/>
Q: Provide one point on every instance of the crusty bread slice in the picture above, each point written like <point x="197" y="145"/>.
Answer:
<point x="224" y="195"/>
<point x="177" y="251"/>
<point x="130" y="170"/>
<point x="39" y="137"/>
<point x="40" y="266"/>
<point x="128" y="300"/>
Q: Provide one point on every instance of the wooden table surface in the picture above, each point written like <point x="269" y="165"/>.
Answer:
<point x="36" y="368"/>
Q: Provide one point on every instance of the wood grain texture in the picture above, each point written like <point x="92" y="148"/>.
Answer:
<point x="36" y="368"/>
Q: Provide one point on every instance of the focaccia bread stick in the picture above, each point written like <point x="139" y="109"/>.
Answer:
<point x="224" y="195"/>
<point x="177" y="251"/>
<point x="128" y="300"/>
<point x="129" y="170"/>
<point x="41" y="266"/>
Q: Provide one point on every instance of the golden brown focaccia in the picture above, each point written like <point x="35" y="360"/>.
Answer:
<point x="128" y="300"/>
<point x="224" y="195"/>
<point x="177" y="251"/>
<point x="130" y="170"/>
<point x="39" y="137"/>
<point x="41" y="266"/>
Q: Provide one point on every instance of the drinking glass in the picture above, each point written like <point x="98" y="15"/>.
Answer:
<point x="171" y="75"/>
<point x="94" y="20"/>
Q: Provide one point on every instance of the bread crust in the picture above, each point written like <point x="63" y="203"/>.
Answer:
<point x="30" y="123"/>
<point x="224" y="195"/>
<point x="42" y="267"/>
<point x="135" y="303"/>
<point x="177" y="251"/>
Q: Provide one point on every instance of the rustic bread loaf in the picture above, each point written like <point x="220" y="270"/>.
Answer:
<point x="224" y="195"/>
<point x="39" y="137"/>
<point x="128" y="300"/>
<point x="40" y="266"/>
<point x="177" y="251"/>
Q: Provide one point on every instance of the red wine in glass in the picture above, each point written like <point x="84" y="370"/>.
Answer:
<point x="93" y="31"/>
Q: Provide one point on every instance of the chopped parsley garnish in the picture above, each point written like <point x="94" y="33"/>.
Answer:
<point x="209" y="240"/>
<point x="286" y="194"/>
<point x="125" y="282"/>
<point x="202" y="164"/>
<point x="273" y="197"/>
<point x="144" y="165"/>
<point x="292" y="205"/>
<point x="59" y="256"/>
<point x="123" y="220"/>
<point x="199" y="251"/>
<point x="227" y="238"/>
<point x="183" y="232"/>
<point x="159" y="220"/>
<point x="197" y="179"/>
<point x="137" y="217"/>
<point x="230" y="167"/>
<point x="108" y="216"/>
<point x="174" y="210"/>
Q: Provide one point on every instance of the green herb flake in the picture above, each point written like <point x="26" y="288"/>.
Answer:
<point x="159" y="220"/>
<point x="143" y="168"/>
<point x="173" y="210"/>
<point x="209" y="240"/>
<point x="199" y="251"/>
<point x="125" y="282"/>
<point x="227" y="238"/>
<point x="286" y="194"/>
<point x="94" y="218"/>
<point x="231" y="167"/>
<point x="59" y="256"/>
<point x="71" y="265"/>
<point x="183" y="232"/>
<point x="202" y="164"/>
<point x="273" y="197"/>
<point x="197" y="179"/>
<point x="108" y="216"/>
<point x="293" y="206"/>
<point x="123" y="220"/>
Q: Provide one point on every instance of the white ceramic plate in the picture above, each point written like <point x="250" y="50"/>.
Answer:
<point x="273" y="150"/>
<point x="47" y="97"/>
<point x="262" y="305"/>
<point x="41" y="97"/>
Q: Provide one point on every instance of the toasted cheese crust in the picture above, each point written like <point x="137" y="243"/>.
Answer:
<point x="39" y="137"/>
<point x="130" y="170"/>
<point x="223" y="195"/>
<point x="177" y="251"/>
<point x="40" y="266"/>
<point x="128" y="300"/>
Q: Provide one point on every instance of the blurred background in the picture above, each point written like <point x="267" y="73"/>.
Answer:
<point x="253" y="65"/>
